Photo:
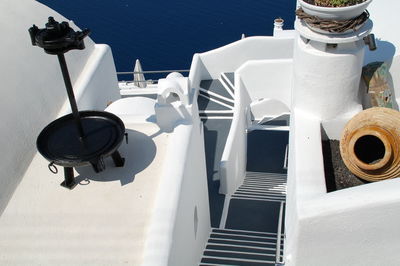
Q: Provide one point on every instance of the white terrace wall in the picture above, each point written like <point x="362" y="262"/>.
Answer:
<point x="181" y="221"/>
<point x="32" y="89"/>
<point x="271" y="78"/>
<point x="248" y="55"/>
<point x="395" y="77"/>
<point x="388" y="43"/>
<point x="252" y="84"/>
<point x="229" y="58"/>
<point x="384" y="13"/>
<point x="353" y="226"/>
<point x="234" y="157"/>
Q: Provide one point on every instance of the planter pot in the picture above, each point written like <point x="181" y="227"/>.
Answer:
<point x="335" y="13"/>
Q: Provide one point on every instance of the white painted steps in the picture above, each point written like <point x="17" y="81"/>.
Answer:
<point x="241" y="239"/>
<point x="262" y="186"/>
<point x="239" y="247"/>
<point x="227" y="246"/>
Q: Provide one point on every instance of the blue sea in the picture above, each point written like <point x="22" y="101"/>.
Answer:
<point x="165" y="34"/>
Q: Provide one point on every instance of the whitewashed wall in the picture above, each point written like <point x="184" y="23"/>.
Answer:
<point x="395" y="77"/>
<point x="384" y="14"/>
<point x="229" y="58"/>
<point x="181" y="220"/>
<point x="192" y="225"/>
<point x="271" y="78"/>
<point x="254" y="80"/>
<point x="234" y="156"/>
<point x="251" y="58"/>
<point x="32" y="90"/>
<point x="353" y="226"/>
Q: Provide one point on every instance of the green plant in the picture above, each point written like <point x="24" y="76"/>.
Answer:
<point x="337" y="3"/>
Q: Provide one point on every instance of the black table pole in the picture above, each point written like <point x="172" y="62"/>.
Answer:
<point x="70" y="92"/>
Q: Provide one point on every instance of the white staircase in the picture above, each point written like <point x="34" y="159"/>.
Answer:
<point x="228" y="246"/>
<point x="239" y="247"/>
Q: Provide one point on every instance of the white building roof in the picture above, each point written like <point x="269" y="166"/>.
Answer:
<point x="102" y="221"/>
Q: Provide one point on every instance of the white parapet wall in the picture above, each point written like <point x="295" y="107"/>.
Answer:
<point x="394" y="79"/>
<point x="353" y="226"/>
<point x="33" y="90"/>
<point x="234" y="157"/>
<point x="180" y="223"/>
<point x="180" y="220"/>
<point x="384" y="14"/>
<point x="268" y="79"/>
<point x="250" y="58"/>
<point x="251" y="84"/>
<point x="229" y="58"/>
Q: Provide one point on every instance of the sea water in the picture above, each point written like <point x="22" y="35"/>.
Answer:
<point x="165" y="34"/>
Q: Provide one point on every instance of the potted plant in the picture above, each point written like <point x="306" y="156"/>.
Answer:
<point x="334" y="9"/>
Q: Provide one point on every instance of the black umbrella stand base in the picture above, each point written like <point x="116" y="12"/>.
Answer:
<point x="69" y="181"/>
<point x="69" y="177"/>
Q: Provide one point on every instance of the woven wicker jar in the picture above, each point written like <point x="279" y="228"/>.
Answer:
<point x="370" y="144"/>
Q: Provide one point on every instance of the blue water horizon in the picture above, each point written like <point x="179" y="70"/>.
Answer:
<point x="166" y="34"/>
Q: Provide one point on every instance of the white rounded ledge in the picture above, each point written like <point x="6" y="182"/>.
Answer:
<point x="134" y="106"/>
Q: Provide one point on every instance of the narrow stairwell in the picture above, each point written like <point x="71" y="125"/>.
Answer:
<point x="251" y="229"/>
<point x="253" y="232"/>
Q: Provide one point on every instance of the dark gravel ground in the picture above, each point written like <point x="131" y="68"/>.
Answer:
<point x="337" y="175"/>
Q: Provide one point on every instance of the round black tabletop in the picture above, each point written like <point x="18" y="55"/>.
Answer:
<point x="60" y="143"/>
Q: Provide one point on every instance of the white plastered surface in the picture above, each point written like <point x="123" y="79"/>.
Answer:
<point x="101" y="223"/>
